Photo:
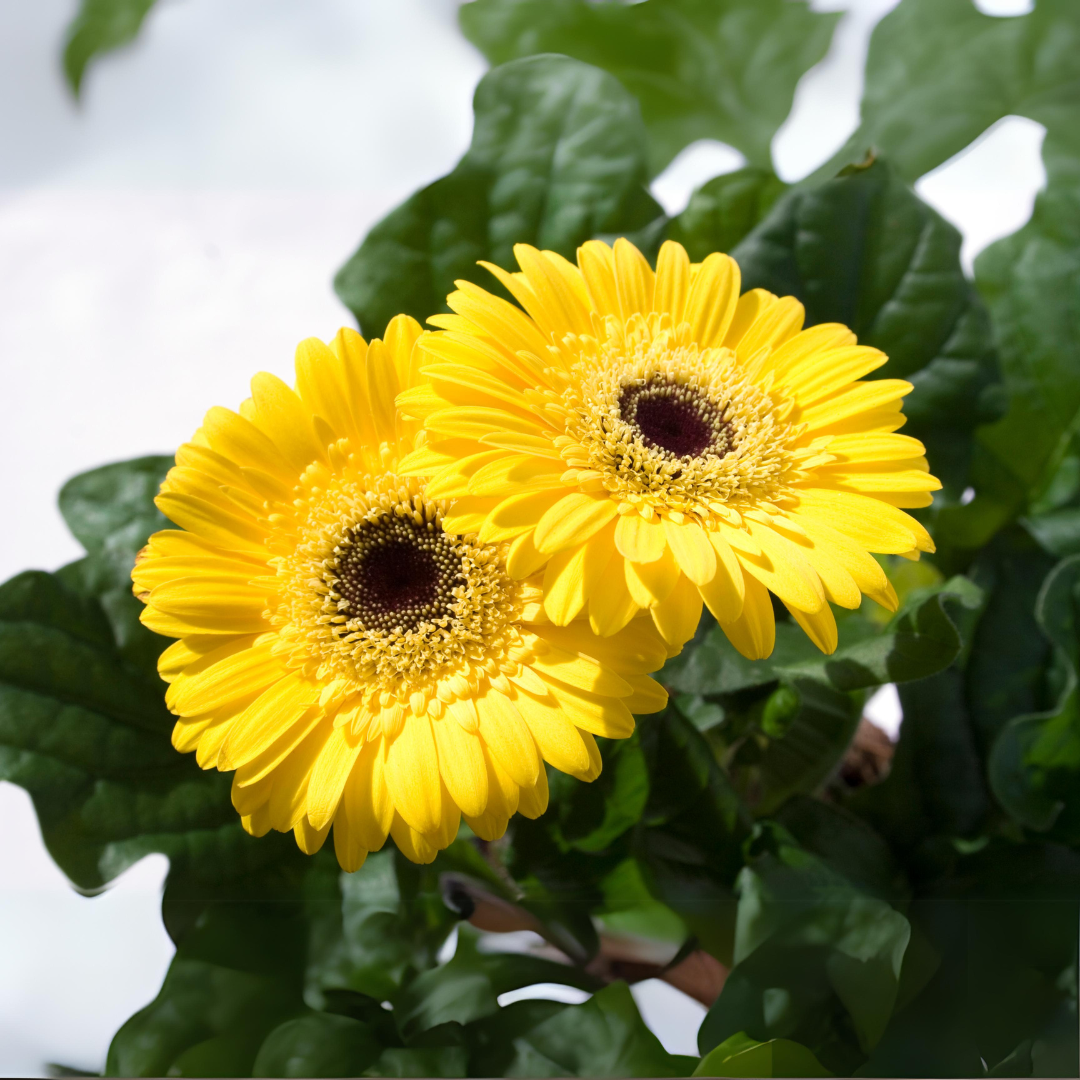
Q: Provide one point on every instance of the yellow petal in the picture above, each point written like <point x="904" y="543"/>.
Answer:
<point x="266" y="719"/>
<point x="412" y="774"/>
<point x="367" y="797"/>
<point x="611" y="606"/>
<point x="517" y="514"/>
<point x="506" y="736"/>
<point x="776" y="324"/>
<point x="724" y="594"/>
<point x="347" y="846"/>
<point x="329" y="776"/>
<point x="533" y="801"/>
<point x="820" y="627"/>
<point x="597" y="263"/>
<point x="639" y="540"/>
<point x="281" y="416"/>
<point x="650" y="583"/>
<point x="672" y="281"/>
<point x="783" y="570"/>
<point x="870" y="523"/>
<point x="754" y="632"/>
<point x="461" y="765"/>
<point x="560" y="742"/>
<point x="648" y="696"/>
<point x="574" y="670"/>
<point x="572" y="520"/>
<point x="633" y="279"/>
<point x="607" y="717"/>
<point x="713" y="296"/>
<point x="678" y="616"/>
<point x="693" y="552"/>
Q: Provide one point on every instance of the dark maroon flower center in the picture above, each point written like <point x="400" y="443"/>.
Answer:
<point x="394" y="574"/>
<point x="674" y="418"/>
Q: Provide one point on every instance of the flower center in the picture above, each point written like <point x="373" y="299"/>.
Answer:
<point x="393" y="574"/>
<point x="675" y="418"/>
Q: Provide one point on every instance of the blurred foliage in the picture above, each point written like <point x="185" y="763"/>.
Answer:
<point x="920" y="920"/>
<point x="99" y="27"/>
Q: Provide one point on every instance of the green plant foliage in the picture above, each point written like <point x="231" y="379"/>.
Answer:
<point x="724" y="210"/>
<point x="816" y="960"/>
<point x="1023" y="278"/>
<point x="702" y="69"/>
<point x="862" y="249"/>
<point x="99" y="27"/>
<point x="557" y="156"/>
<point x="742" y="1056"/>
<point x="939" y="73"/>
<point x="1035" y="762"/>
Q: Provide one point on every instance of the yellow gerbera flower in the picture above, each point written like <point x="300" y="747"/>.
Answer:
<point x="654" y="440"/>
<point x="353" y="662"/>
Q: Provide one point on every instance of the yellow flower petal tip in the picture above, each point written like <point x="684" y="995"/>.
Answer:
<point x="360" y="668"/>
<point x="653" y="439"/>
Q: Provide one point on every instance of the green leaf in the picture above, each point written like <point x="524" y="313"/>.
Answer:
<point x="1028" y="281"/>
<point x="862" y="249"/>
<point x="847" y="844"/>
<point x="689" y="842"/>
<point x="557" y="156"/>
<point x="233" y="979"/>
<point x="604" y="1036"/>
<point x="100" y="26"/>
<point x="742" y="1056"/>
<point x="319" y="1044"/>
<point x="468" y="986"/>
<point x="936" y="786"/>
<point x="939" y="73"/>
<point x="1034" y="766"/>
<point x="816" y="960"/>
<point x="723" y="211"/>
<point x="702" y="69"/>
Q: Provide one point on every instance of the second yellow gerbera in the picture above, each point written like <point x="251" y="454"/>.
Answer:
<point x="654" y="440"/>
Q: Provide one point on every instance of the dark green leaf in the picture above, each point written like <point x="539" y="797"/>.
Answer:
<point x="318" y="1044"/>
<point x="936" y="786"/>
<point x="939" y="73"/>
<point x="1035" y="762"/>
<point x="558" y="155"/>
<point x="689" y="842"/>
<point x="604" y="1036"/>
<point x="742" y="1056"/>
<point x="1029" y="281"/>
<point x="864" y="250"/>
<point x="847" y="844"/>
<point x="816" y="960"/>
<point x="99" y="27"/>
<point x="231" y="982"/>
<point x="468" y="986"/>
<point x="721" y="213"/>
<point x="702" y="69"/>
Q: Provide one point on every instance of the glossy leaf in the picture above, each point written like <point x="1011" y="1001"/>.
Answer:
<point x="604" y="1036"/>
<point x="702" y="69"/>
<point x="1026" y="280"/>
<point x="742" y="1056"/>
<point x="468" y="986"/>
<point x="1035" y="762"/>
<point x="939" y="73"/>
<point x="99" y="27"/>
<point x="557" y="156"/>
<point x="816" y="960"/>
<point x="723" y="211"/>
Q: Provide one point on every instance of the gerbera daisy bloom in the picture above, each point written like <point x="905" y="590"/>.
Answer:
<point x="354" y="663"/>
<point x="654" y="440"/>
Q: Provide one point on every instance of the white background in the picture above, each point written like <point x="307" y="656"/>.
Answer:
<point x="176" y="232"/>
